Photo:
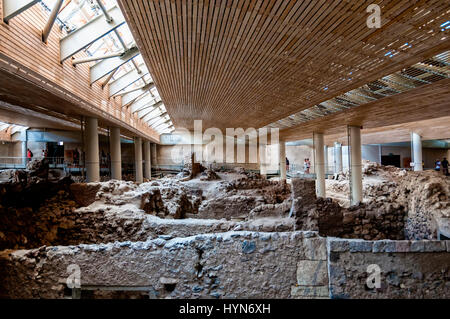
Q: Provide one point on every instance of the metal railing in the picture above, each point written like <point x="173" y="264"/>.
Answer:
<point x="21" y="162"/>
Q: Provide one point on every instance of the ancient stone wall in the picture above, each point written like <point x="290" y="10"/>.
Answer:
<point x="228" y="265"/>
<point x="408" y="269"/>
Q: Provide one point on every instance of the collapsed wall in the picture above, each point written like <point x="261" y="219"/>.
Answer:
<point x="368" y="221"/>
<point x="414" y="201"/>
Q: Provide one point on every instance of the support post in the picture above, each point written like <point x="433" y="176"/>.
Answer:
<point x="116" y="153"/>
<point x="337" y="157"/>
<point x="154" y="155"/>
<point x="147" y="161"/>
<point x="262" y="149"/>
<point x="356" y="186"/>
<point x="92" y="150"/>
<point x="51" y="20"/>
<point x="417" y="152"/>
<point x="138" y="159"/>
<point x="319" y="164"/>
<point x="282" y="160"/>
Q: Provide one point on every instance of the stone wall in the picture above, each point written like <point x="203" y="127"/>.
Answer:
<point x="409" y="269"/>
<point x="228" y="265"/>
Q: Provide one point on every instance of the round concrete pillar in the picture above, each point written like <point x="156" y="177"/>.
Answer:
<point x="319" y="164"/>
<point x="92" y="152"/>
<point x="337" y="157"/>
<point x="147" y="160"/>
<point x="417" y="152"/>
<point x="116" y="153"/>
<point x="356" y="165"/>
<point x="282" y="160"/>
<point x="138" y="159"/>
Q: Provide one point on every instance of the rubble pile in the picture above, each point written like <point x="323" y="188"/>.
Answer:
<point x="29" y="228"/>
<point x="416" y="199"/>
<point x="30" y="187"/>
<point x="248" y="196"/>
<point x="209" y="175"/>
<point x="373" y="221"/>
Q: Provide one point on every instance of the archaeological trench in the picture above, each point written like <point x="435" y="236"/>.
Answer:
<point x="223" y="234"/>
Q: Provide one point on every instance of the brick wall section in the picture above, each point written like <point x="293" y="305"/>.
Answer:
<point x="409" y="269"/>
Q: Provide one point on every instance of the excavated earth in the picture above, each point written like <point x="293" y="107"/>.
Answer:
<point x="42" y="207"/>
<point x="422" y="198"/>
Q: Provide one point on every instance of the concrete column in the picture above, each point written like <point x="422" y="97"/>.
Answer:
<point x="262" y="159"/>
<point x="24" y="153"/>
<point x="282" y="160"/>
<point x="138" y="159"/>
<point x="325" y="158"/>
<point x="356" y="165"/>
<point x="319" y="164"/>
<point x="337" y="157"/>
<point x="148" y="160"/>
<point x="417" y="151"/>
<point x="92" y="153"/>
<point x="154" y="155"/>
<point x="116" y="153"/>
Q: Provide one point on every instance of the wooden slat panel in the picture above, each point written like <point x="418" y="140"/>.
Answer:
<point x="241" y="63"/>
<point x="21" y="42"/>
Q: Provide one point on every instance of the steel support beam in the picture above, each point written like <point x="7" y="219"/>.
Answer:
<point x="96" y="58"/>
<point x="51" y="20"/>
<point x="148" y="110"/>
<point x="12" y="8"/>
<point x="105" y="67"/>
<point x="142" y="103"/>
<point x="156" y="119"/>
<point x="126" y="80"/>
<point x="89" y="33"/>
<point x="131" y="97"/>
<point x="150" y="117"/>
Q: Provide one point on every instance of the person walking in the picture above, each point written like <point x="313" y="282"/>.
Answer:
<point x="29" y="155"/>
<point x="287" y="165"/>
<point x="437" y="165"/>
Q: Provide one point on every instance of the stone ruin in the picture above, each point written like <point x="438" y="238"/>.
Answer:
<point x="239" y="208"/>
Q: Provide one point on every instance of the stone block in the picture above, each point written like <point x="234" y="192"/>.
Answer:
<point x="312" y="273"/>
<point x="403" y="246"/>
<point x="337" y="245"/>
<point x="309" y="292"/>
<point x="417" y="246"/>
<point x="84" y="194"/>
<point x="315" y="248"/>
<point x="434" y="246"/>
<point x="360" y="246"/>
<point x="384" y="246"/>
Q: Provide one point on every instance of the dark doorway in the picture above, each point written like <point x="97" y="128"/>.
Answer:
<point x="391" y="159"/>
<point x="55" y="153"/>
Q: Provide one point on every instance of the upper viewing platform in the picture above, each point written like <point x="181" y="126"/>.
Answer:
<point x="61" y="61"/>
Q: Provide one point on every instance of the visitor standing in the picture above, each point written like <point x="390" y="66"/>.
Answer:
<point x="445" y="166"/>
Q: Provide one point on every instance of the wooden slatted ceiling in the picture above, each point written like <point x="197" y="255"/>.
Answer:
<point x="241" y="63"/>
<point x="427" y="102"/>
<point x="20" y="42"/>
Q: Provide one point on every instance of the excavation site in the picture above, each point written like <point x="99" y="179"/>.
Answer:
<point x="223" y="234"/>
<point x="224" y="158"/>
